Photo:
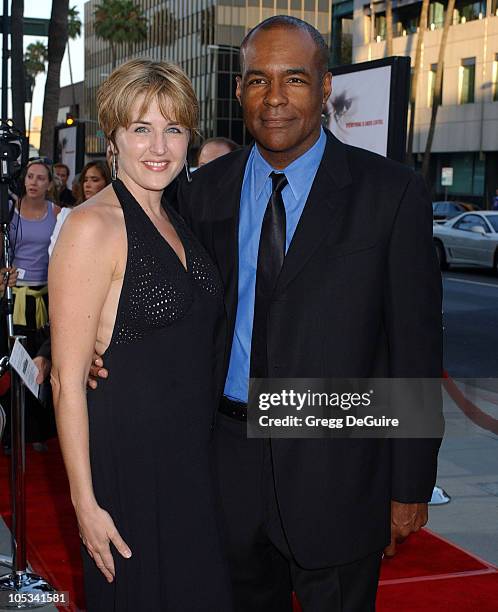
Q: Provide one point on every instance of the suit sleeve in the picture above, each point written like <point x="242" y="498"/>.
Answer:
<point x="414" y="327"/>
<point x="45" y="349"/>
<point x="183" y="201"/>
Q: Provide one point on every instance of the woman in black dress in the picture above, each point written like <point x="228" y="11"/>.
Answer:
<point x="129" y="280"/>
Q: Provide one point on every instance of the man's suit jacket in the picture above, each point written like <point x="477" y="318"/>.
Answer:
<point x="359" y="295"/>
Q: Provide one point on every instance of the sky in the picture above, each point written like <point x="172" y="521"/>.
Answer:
<point x="42" y="8"/>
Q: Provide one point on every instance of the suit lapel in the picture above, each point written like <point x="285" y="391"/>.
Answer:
<point x="326" y="203"/>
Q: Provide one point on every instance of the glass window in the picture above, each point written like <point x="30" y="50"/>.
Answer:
<point x="380" y="26"/>
<point x="493" y="219"/>
<point x="432" y="84"/>
<point x="468" y="10"/>
<point x="467" y="222"/>
<point x="406" y="19"/>
<point x="436" y="15"/>
<point x="467" y="80"/>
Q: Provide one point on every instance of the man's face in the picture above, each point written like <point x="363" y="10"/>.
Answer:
<point x="62" y="175"/>
<point x="282" y="92"/>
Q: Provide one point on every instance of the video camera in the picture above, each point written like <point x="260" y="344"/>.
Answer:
<point x="14" y="152"/>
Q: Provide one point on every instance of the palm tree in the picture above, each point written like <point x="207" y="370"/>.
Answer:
<point x="389" y="28"/>
<point x="18" y="80"/>
<point x="118" y="22"/>
<point x="73" y="31"/>
<point x="436" y="98"/>
<point x="34" y="64"/>
<point x="57" y="41"/>
<point x="424" y="11"/>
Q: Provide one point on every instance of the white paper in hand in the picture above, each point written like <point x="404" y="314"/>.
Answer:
<point x="25" y="367"/>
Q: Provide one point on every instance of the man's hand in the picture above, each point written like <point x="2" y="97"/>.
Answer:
<point x="44" y="366"/>
<point x="405" y="519"/>
<point x="97" y="371"/>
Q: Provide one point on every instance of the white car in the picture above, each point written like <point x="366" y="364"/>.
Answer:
<point x="471" y="238"/>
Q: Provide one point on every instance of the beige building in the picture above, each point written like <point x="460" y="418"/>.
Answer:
<point x="466" y="137"/>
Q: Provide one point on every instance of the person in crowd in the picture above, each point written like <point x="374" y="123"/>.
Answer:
<point x="66" y="197"/>
<point x="128" y="278"/>
<point x="310" y="294"/>
<point x="93" y="178"/>
<point x="33" y="221"/>
<point x="212" y="148"/>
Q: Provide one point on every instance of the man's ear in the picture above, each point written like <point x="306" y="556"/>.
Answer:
<point x="238" y="90"/>
<point x="327" y="87"/>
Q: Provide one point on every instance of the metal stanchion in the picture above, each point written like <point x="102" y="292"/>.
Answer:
<point x="20" y="581"/>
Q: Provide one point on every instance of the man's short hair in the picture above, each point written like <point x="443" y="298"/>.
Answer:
<point x="60" y="165"/>
<point x="286" y="21"/>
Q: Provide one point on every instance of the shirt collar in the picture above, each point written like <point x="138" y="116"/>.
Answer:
<point x="304" y="166"/>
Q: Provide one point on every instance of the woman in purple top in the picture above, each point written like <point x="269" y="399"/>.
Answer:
<point x="32" y="224"/>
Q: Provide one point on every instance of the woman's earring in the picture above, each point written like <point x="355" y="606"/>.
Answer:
<point x="114" y="166"/>
<point x="187" y="172"/>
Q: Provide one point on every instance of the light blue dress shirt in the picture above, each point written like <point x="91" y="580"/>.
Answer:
<point x="256" y="191"/>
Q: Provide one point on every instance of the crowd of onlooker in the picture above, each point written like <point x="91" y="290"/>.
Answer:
<point x="44" y="201"/>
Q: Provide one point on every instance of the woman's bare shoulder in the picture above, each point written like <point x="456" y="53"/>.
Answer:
<point x="97" y="223"/>
<point x="101" y="213"/>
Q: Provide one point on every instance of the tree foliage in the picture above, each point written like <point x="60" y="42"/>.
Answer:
<point x="118" y="22"/>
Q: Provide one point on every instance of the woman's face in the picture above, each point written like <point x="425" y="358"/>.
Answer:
<point x="93" y="182"/>
<point x="37" y="181"/>
<point x="152" y="150"/>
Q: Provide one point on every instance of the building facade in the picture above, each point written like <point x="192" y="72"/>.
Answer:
<point x="203" y="37"/>
<point x="466" y="137"/>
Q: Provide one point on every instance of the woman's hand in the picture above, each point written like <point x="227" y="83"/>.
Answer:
<point x="97" y="530"/>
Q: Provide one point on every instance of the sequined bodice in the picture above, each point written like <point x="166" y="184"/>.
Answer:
<point x="157" y="289"/>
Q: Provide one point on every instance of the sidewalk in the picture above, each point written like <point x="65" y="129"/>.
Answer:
<point x="468" y="472"/>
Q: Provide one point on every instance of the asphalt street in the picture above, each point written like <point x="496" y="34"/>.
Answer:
<point x="470" y="307"/>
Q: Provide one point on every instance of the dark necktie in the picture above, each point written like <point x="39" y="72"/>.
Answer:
<point x="271" y="255"/>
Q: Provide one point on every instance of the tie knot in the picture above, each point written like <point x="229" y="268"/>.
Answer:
<point x="279" y="181"/>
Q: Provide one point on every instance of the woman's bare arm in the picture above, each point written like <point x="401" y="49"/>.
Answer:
<point x="81" y="271"/>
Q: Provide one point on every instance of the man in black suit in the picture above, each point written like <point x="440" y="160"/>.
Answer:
<point x="357" y="295"/>
<point x="326" y="256"/>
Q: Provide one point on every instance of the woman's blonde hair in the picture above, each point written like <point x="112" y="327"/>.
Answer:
<point x="163" y="82"/>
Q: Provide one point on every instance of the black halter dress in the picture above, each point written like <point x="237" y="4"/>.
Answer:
<point x="151" y="429"/>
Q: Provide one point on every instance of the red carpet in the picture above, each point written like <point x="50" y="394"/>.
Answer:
<point x="52" y="532"/>
<point x="427" y="574"/>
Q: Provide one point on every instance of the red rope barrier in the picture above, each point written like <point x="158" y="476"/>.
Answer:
<point x="473" y="412"/>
